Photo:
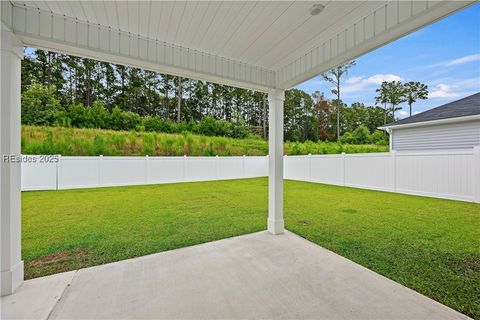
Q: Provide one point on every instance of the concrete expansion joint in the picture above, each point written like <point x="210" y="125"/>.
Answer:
<point x="62" y="296"/>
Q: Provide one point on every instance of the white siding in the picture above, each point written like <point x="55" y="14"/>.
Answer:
<point x="460" y="135"/>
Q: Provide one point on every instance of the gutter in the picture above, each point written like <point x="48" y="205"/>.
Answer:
<point x="430" y="122"/>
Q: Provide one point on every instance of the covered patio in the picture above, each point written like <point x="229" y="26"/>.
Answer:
<point x="264" y="46"/>
<point x="246" y="277"/>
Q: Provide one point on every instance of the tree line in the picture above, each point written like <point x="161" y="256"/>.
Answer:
<point x="390" y="95"/>
<point x="64" y="90"/>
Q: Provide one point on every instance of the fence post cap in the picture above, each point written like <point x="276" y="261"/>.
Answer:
<point x="343" y="153"/>
<point x="146" y="156"/>
<point x="101" y="156"/>
<point x="216" y="156"/>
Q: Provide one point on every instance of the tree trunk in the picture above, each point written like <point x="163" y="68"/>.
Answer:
<point x="385" y="114"/>
<point x="165" y="100"/>
<point x="49" y="77"/>
<point x="338" y="109"/>
<point x="179" y="98"/>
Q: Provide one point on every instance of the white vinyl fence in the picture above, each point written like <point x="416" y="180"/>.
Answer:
<point x="450" y="174"/>
<point x="92" y="172"/>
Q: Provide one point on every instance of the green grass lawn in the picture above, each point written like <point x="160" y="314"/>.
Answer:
<point x="430" y="245"/>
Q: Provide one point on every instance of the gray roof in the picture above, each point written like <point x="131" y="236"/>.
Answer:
<point x="467" y="106"/>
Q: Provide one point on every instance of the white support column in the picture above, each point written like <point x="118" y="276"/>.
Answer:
<point x="10" y="186"/>
<point x="275" y="164"/>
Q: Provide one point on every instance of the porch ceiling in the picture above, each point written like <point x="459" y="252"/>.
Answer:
<point x="254" y="44"/>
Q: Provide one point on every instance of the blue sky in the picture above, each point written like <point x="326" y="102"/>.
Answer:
<point x="444" y="55"/>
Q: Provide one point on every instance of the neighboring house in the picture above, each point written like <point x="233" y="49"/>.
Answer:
<point x="455" y="125"/>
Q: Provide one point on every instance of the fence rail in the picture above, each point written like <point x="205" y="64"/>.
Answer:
<point x="450" y="174"/>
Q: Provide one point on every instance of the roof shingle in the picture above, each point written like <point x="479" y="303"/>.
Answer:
<point x="467" y="106"/>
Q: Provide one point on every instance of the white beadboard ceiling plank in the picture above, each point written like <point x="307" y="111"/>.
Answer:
<point x="171" y="20"/>
<point x="255" y="23"/>
<point x="221" y="29"/>
<point x="154" y="19"/>
<point x="194" y="25"/>
<point x="205" y="25"/>
<point x="79" y="11"/>
<point x="92" y="13"/>
<point x="177" y="19"/>
<point x="216" y="31"/>
<point x="133" y="17"/>
<point x="165" y="16"/>
<point x="293" y="17"/>
<point x="182" y="35"/>
<point x="43" y="5"/>
<point x="111" y="14"/>
<point x="49" y="6"/>
<point x="65" y="9"/>
<point x="237" y="22"/>
<point x="122" y="11"/>
<point x="158" y="17"/>
<point x="144" y="13"/>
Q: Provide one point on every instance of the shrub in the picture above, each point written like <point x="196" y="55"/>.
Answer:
<point x="361" y="135"/>
<point x="40" y="106"/>
<point x="238" y="131"/>
<point x="209" y="126"/>
<point x="131" y="120"/>
<point x="99" y="116"/>
<point x="148" y="143"/>
<point x="379" y="138"/>
<point x="347" y="138"/>
<point x="77" y="113"/>
<point x="98" y="145"/>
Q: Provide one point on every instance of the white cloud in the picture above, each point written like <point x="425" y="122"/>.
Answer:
<point x="379" y="78"/>
<point x="463" y="60"/>
<point x="358" y="84"/>
<point x="402" y="113"/>
<point x="352" y="80"/>
<point x="443" y="90"/>
<point x="455" y="62"/>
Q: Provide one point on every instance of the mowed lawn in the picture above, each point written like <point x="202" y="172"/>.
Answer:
<point x="430" y="245"/>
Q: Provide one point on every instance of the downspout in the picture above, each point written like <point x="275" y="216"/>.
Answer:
<point x="390" y="137"/>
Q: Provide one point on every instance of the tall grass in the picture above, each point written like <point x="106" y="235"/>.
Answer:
<point x="92" y="142"/>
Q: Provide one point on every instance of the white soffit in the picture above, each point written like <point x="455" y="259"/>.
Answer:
<point x="253" y="44"/>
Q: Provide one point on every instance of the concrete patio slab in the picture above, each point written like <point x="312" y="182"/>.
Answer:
<point x="36" y="298"/>
<point x="253" y="276"/>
